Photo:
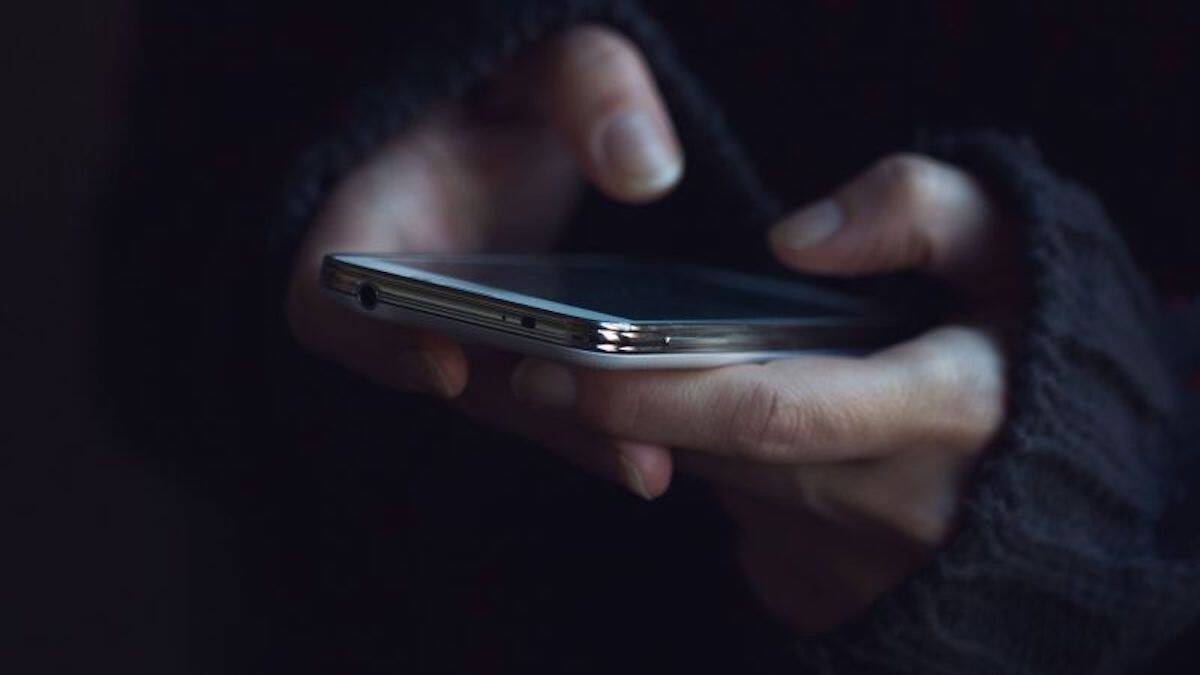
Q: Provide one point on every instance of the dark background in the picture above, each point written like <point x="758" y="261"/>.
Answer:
<point x="189" y="493"/>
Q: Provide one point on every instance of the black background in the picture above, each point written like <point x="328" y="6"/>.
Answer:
<point x="189" y="493"/>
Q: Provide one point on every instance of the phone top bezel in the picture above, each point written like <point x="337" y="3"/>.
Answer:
<point x="417" y="290"/>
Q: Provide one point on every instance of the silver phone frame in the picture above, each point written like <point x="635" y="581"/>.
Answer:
<point x="476" y="317"/>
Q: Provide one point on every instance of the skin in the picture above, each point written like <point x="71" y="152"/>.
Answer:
<point x="844" y="474"/>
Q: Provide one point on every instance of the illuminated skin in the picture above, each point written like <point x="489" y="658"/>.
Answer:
<point x="844" y="474"/>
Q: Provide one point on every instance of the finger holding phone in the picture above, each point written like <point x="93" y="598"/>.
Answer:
<point x="502" y="172"/>
<point x="843" y="473"/>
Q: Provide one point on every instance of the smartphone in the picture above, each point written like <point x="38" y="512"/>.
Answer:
<point x="609" y="312"/>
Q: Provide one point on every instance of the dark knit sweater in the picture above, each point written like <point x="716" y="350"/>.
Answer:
<point x="1077" y="552"/>
<point x="1063" y="563"/>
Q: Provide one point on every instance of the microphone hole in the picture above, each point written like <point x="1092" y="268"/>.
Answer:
<point x="368" y="296"/>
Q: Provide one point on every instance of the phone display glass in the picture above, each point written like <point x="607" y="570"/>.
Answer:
<point x="633" y="291"/>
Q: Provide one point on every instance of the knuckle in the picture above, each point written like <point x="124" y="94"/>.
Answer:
<point x="901" y="196"/>
<point x="884" y="498"/>
<point x="908" y="181"/>
<point x="924" y="524"/>
<point x="915" y="521"/>
<point x="969" y="389"/>
<point x="765" y="422"/>
<point x="926" y="518"/>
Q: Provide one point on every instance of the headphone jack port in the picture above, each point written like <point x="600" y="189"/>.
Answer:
<point x="368" y="295"/>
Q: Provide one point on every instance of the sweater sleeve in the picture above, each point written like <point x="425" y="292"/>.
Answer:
<point x="1067" y="560"/>
<point x="1073" y="555"/>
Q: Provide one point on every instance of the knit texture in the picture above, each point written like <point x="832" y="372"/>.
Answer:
<point x="1064" y="562"/>
<point x="1061" y="564"/>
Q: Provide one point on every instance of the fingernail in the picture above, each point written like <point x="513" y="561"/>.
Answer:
<point x="633" y="479"/>
<point x="418" y="370"/>
<point x="544" y="384"/>
<point x="636" y="153"/>
<point x="809" y="226"/>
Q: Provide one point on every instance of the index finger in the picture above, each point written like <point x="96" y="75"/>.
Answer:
<point x="944" y="389"/>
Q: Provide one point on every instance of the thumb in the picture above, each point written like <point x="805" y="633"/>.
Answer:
<point x="604" y="101"/>
<point x="905" y="212"/>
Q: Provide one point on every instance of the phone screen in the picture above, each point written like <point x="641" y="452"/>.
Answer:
<point x="620" y="288"/>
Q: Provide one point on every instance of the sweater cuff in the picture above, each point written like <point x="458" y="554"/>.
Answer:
<point x="1058" y="566"/>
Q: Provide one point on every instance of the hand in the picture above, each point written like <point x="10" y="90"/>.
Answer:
<point x="501" y="171"/>
<point x="844" y="474"/>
